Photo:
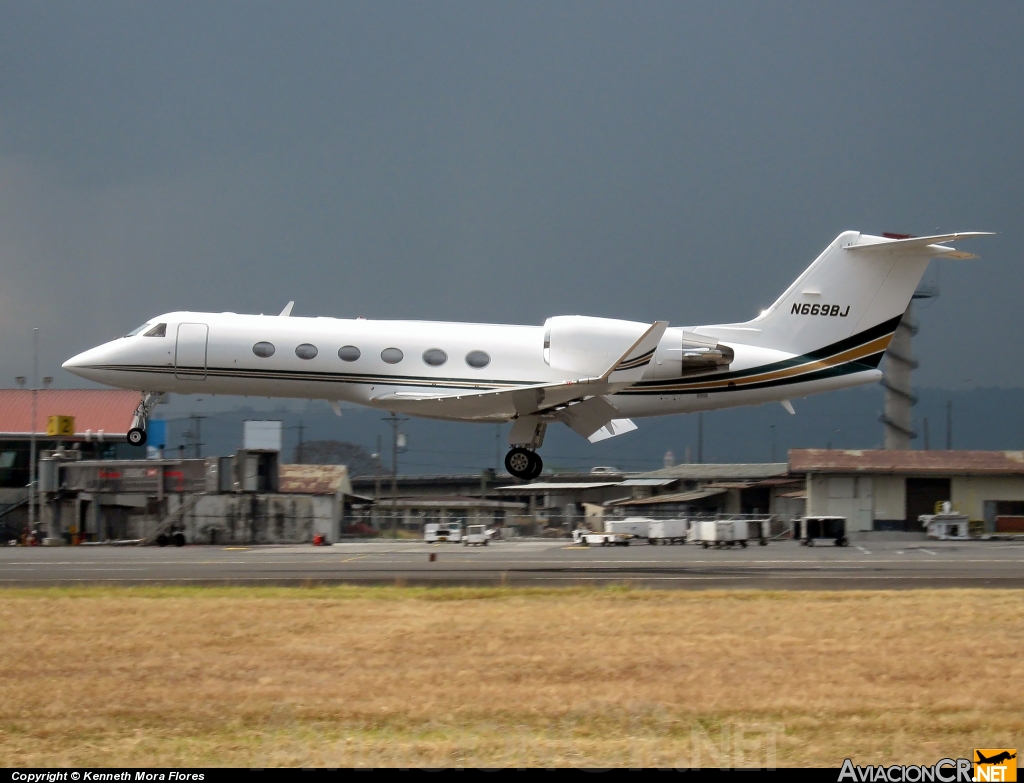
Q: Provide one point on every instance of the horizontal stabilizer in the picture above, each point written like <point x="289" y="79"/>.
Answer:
<point x="916" y="245"/>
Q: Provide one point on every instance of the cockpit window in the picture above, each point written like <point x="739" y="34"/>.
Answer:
<point x="134" y="332"/>
<point x="160" y="330"/>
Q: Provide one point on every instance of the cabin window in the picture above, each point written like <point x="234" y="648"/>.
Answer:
<point x="160" y="330"/>
<point x="392" y="355"/>
<point x="306" y="351"/>
<point x="138" y="329"/>
<point x="435" y="357"/>
<point x="264" y="350"/>
<point x="348" y="353"/>
<point x="477" y="359"/>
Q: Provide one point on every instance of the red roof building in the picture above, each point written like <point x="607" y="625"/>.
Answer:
<point x="105" y="413"/>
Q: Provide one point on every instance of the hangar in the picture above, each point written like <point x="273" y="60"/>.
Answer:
<point x="880" y="490"/>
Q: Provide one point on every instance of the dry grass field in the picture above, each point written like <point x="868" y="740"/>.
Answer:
<point x="339" y="676"/>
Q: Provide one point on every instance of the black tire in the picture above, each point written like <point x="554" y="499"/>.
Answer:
<point x="136" y="437"/>
<point x="743" y="544"/>
<point x="162" y="540"/>
<point x="522" y="463"/>
<point x="705" y="544"/>
<point x="762" y="542"/>
<point x="178" y="539"/>
<point x="537" y="467"/>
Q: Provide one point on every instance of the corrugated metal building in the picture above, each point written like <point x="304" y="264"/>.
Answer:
<point x="102" y="419"/>
<point x="889" y="490"/>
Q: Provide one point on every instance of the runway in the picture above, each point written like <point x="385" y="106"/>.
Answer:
<point x="780" y="565"/>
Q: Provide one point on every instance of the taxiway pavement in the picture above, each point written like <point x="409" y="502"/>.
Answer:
<point x="780" y="565"/>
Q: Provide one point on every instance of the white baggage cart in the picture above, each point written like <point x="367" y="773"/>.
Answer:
<point x="718" y="532"/>
<point x="632" y="526"/>
<point x="667" y="531"/>
<point x="436" y="532"/>
<point x="588" y="538"/>
<point x="476" y="535"/>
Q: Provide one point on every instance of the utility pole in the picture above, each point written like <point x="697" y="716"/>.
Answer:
<point x="300" y="457"/>
<point x="197" y="422"/>
<point x="949" y="425"/>
<point x="394" y="420"/>
<point x="497" y="447"/>
<point x="700" y="438"/>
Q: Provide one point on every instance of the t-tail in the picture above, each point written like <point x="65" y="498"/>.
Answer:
<point x="850" y="300"/>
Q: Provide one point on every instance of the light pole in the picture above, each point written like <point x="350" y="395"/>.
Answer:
<point x="32" y="433"/>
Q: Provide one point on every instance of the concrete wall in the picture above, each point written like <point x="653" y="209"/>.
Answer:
<point x="844" y="496"/>
<point x="890" y="497"/>
<point x="970" y="492"/>
<point x="220" y="519"/>
<point x="262" y="518"/>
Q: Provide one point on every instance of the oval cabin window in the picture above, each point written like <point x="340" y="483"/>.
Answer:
<point x="435" y="357"/>
<point x="306" y="351"/>
<point x="263" y="350"/>
<point x="477" y="359"/>
<point x="348" y="353"/>
<point x="392" y="355"/>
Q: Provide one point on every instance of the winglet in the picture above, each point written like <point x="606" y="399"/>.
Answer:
<point x="287" y="310"/>
<point x="630" y="367"/>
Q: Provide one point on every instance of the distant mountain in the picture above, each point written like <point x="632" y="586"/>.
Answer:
<point x="982" y="419"/>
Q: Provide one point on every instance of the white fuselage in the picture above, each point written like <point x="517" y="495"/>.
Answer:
<point x="213" y="353"/>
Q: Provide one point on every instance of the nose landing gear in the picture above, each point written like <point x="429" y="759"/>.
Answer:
<point x="523" y="463"/>
<point x="137" y="433"/>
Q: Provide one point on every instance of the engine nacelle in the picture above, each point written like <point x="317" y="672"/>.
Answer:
<point x="681" y="353"/>
<point x="585" y="345"/>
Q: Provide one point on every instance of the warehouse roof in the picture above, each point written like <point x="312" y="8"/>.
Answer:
<point x="106" y="411"/>
<point x="678" y="497"/>
<point x="940" y="463"/>
<point x="711" y="471"/>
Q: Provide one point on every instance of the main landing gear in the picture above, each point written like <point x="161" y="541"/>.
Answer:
<point x="523" y="463"/>
<point x="525" y="437"/>
<point x="137" y="433"/>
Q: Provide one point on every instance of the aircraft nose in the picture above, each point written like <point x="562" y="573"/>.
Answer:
<point x="84" y="365"/>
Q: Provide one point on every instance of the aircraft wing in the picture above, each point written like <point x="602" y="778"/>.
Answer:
<point x="535" y="398"/>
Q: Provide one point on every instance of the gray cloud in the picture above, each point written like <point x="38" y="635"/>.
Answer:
<point x="466" y="161"/>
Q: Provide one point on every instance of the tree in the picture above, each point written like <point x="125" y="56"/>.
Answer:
<point x="337" y="452"/>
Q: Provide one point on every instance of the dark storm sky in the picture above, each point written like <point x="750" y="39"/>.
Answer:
<point x="500" y="161"/>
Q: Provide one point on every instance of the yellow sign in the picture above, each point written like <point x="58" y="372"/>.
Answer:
<point x="995" y="764"/>
<point x="64" y="426"/>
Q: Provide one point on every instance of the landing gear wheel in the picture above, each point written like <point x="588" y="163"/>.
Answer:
<point x="178" y="539"/>
<point x="137" y="436"/>
<point x="538" y="465"/>
<point x="523" y="464"/>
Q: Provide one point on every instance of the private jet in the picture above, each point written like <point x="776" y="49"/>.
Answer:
<point x="827" y="331"/>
